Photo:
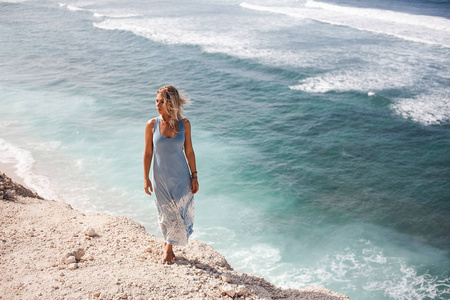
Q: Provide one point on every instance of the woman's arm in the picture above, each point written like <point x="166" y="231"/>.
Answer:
<point x="148" y="154"/>
<point x="190" y="155"/>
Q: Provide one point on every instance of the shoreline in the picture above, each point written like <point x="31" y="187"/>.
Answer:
<point x="51" y="251"/>
<point x="10" y="170"/>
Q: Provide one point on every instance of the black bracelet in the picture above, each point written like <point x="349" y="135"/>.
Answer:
<point x="193" y="173"/>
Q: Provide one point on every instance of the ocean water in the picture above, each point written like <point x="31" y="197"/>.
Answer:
<point x="321" y="129"/>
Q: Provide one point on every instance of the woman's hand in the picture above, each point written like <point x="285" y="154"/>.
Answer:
<point x="147" y="185"/>
<point x="194" y="183"/>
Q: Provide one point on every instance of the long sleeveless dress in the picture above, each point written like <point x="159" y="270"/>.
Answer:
<point x="172" y="186"/>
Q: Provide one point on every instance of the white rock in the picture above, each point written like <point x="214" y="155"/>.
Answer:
<point x="70" y="260"/>
<point x="228" y="290"/>
<point x="225" y="278"/>
<point x="89" y="231"/>
<point x="79" y="254"/>
<point x="241" y="290"/>
<point x="73" y="266"/>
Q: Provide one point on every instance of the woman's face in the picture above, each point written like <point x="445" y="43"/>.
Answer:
<point x="159" y="103"/>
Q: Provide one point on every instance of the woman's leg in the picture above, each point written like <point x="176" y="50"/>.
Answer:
<point x="168" y="255"/>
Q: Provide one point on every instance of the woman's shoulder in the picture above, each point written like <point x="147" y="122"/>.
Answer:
<point x="151" y="123"/>
<point x="186" y="124"/>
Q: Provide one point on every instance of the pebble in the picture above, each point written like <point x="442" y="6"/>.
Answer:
<point x="89" y="231"/>
<point x="241" y="290"/>
<point x="79" y="253"/>
<point x="70" y="260"/>
<point x="74" y="256"/>
<point x="228" y="290"/>
<point x="199" y="266"/>
<point x="73" y="266"/>
<point x="225" y="278"/>
<point x="9" y="194"/>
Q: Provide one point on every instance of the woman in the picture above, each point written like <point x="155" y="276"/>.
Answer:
<point x="174" y="176"/>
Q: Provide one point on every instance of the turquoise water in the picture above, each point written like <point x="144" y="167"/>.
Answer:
<point x="321" y="130"/>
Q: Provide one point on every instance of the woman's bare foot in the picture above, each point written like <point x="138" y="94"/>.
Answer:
<point x="168" y="255"/>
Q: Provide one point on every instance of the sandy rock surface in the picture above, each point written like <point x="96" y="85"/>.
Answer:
<point x="10" y="189"/>
<point x="50" y="251"/>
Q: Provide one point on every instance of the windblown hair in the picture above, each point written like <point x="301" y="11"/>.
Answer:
<point x="173" y="102"/>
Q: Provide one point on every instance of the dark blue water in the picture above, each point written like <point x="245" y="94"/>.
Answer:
<point x="321" y="130"/>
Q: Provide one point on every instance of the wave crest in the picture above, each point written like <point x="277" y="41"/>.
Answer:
<point x="417" y="28"/>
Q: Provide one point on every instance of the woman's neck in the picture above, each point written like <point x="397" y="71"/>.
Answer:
<point x="166" y="118"/>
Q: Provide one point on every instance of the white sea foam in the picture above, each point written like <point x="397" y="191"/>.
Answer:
<point x="428" y="109"/>
<point x="114" y="13"/>
<point x="361" y="266"/>
<point x="24" y="162"/>
<point x="256" y="256"/>
<point x="355" y="80"/>
<point x="365" y="266"/>
<point x="74" y="8"/>
<point x="171" y="31"/>
<point x="411" y="285"/>
<point x="186" y="31"/>
<point x="4" y="124"/>
<point x="12" y="1"/>
<point x="118" y="15"/>
<point x="417" y="28"/>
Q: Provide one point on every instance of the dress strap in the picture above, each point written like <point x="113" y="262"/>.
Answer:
<point x="156" y="127"/>
<point x="180" y="125"/>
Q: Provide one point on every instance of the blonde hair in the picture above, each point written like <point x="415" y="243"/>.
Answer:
<point x="173" y="102"/>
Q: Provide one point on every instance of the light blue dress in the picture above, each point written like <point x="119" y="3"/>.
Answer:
<point x="172" y="186"/>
